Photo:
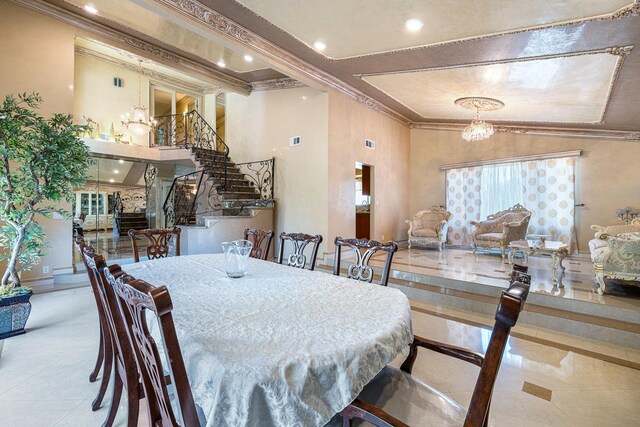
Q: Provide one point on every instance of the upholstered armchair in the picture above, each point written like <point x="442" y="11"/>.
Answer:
<point x="615" y="252"/>
<point x="429" y="227"/>
<point x="501" y="228"/>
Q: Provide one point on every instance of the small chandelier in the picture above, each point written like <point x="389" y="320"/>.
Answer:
<point x="478" y="130"/>
<point x="138" y="122"/>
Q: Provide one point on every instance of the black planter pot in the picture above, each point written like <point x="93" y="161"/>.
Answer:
<point x="14" y="312"/>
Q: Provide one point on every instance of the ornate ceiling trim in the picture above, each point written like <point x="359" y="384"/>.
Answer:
<point x="143" y="48"/>
<point x="285" y="83"/>
<point x="228" y="28"/>
<point x="627" y="11"/>
<point x="547" y="131"/>
<point x="620" y="51"/>
<point x="154" y="75"/>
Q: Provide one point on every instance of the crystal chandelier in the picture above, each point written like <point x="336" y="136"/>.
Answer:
<point x="138" y="121"/>
<point x="478" y="130"/>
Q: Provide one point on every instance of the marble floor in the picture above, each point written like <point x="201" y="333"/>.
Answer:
<point x="44" y="374"/>
<point x="488" y="269"/>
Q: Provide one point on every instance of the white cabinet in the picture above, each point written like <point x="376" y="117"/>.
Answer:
<point x="97" y="207"/>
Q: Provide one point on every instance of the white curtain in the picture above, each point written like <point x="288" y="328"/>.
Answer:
<point x="501" y="188"/>
<point x="545" y="187"/>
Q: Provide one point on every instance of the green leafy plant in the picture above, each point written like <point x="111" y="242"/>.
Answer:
<point x="42" y="160"/>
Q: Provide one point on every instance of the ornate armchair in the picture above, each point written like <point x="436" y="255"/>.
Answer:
<point x="615" y="252"/>
<point x="429" y="227"/>
<point x="501" y="228"/>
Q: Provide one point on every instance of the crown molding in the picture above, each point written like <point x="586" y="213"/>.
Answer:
<point x="284" y="83"/>
<point x="229" y="29"/>
<point x="534" y="130"/>
<point x="151" y="74"/>
<point x="151" y="50"/>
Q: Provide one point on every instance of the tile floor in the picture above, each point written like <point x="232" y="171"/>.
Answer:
<point x="44" y="374"/>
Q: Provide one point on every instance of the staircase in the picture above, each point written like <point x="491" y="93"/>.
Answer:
<point x="233" y="187"/>
<point x="132" y="220"/>
<point x="219" y="187"/>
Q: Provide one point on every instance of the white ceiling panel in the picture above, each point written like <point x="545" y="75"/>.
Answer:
<point x="360" y="27"/>
<point x="572" y="89"/>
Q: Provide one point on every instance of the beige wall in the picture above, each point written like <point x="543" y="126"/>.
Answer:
<point x="96" y="96"/>
<point x="349" y="124"/>
<point x="602" y="172"/>
<point x="259" y="127"/>
<point x="37" y="56"/>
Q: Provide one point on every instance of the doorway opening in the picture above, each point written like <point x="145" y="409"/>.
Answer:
<point x="364" y="196"/>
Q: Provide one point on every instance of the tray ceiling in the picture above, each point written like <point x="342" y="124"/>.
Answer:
<point x="546" y="59"/>
<point x="365" y="27"/>
<point x="131" y="15"/>
<point x="572" y="89"/>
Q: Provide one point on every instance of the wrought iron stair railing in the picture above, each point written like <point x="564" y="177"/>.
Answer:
<point x="248" y="185"/>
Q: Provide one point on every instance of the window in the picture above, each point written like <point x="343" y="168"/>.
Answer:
<point x="545" y="187"/>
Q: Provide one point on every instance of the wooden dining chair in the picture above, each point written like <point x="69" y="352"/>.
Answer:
<point x="136" y="297"/>
<point x="261" y="240"/>
<point x="158" y="242"/>
<point x="297" y="257"/>
<point x="363" y="250"/>
<point x="119" y="350"/>
<point x="104" y="359"/>
<point x="394" y="398"/>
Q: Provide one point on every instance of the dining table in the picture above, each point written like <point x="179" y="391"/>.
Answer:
<point x="281" y="346"/>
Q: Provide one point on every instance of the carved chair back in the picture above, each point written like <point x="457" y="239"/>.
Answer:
<point x="511" y="304"/>
<point x="297" y="257"/>
<point x="124" y="360"/>
<point x="136" y="298"/>
<point x="158" y="242"/>
<point x="431" y="218"/>
<point x="261" y="240"/>
<point x="363" y="250"/>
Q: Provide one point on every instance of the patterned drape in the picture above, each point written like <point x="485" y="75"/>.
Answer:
<point x="548" y="187"/>
<point x="547" y="190"/>
<point x="463" y="201"/>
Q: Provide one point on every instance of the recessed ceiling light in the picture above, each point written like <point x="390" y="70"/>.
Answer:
<point x="248" y="58"/>
<point x="121" y="161"/>
<point x="304" y="97"/>
<point x="112" y="180"/>
<point x="413" y="25"/>
<point x="91" y="9"/>
<point x="71" y="87"/>
<point x="320" y="46"/>
<point x="221" y="64"/>
<point x="116" y="171"/>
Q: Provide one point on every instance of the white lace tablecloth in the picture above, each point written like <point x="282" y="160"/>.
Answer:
<point x="280" y="346"/>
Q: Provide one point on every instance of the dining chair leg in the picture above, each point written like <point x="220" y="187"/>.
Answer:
<point x="115" y="401"/>
<point x="99" y="362"/>
<point x="106" y="374"/>
<point x="133" y="401"/>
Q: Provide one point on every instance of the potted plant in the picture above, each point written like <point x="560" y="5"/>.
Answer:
<point x="41" y="161"/>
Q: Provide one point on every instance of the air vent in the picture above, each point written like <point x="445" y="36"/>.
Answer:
<point x="369" y="144"/>
<point x="294" y="140"/>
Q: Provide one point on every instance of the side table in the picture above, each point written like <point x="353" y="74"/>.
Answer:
<point x="557" y="250"/>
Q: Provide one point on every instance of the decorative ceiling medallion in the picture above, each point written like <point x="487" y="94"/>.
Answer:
<point x="478" y="103"/>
